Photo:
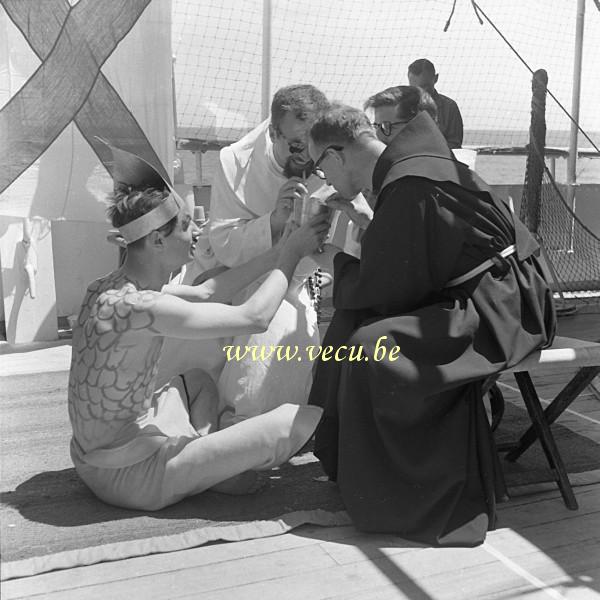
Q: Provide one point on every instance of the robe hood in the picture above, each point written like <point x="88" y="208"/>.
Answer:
<point x="420" y="150"/>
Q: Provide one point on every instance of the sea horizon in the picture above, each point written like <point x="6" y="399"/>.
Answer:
<point x="498" y="169"/>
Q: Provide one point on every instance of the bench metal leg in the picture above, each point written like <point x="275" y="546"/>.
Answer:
<point x="542" y="431"/>
<point x="563" y="400"/>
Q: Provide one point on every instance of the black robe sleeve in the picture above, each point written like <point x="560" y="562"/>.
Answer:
<point x="409" y="252"/>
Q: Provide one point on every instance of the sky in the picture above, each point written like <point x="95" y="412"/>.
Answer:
<point x="353" y="48"/>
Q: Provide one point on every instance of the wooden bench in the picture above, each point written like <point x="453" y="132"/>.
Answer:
<point x="564" y="352"/>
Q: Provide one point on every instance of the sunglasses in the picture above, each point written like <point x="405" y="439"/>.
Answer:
<point x="317" y="169"/>
<point x="386" y="126"/>
<point x="294" y="146"/>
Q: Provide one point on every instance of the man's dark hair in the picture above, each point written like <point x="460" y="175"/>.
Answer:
<point x="422" y="65"/>
<point x="342" y="125"/>
<point x="128" y="203"/>
<point x="408" y="99"/>
<point x="302" y="101"/>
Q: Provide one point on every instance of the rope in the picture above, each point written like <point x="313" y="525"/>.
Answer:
<point x="450" y="17"/>
<point x="478" y="10"/>
<point x="474" y="9"/>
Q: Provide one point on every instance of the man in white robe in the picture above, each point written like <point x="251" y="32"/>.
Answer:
<point x="257" y="181"/>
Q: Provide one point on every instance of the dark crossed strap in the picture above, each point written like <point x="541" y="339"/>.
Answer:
<point x="73" y="43"/>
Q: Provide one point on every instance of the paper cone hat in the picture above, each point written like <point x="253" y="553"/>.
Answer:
<point x="133" y="170"/>
<point x="130" y="169"/>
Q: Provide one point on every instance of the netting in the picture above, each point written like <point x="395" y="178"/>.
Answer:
<point x="351" y="49"/>
<point x="218" y="55"/>
<point x="571" y="250"/>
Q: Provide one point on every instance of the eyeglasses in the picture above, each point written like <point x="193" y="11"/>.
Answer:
<point x="294" y="146"/>
<point x="386" y="126"/>
<point x="317" y="169"/>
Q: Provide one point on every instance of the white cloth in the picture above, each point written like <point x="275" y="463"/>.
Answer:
<point x="244" y="193"/>
<point x="353" y="237"/>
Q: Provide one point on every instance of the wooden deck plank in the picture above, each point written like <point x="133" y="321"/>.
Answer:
<point x="527" y="512"/>
<point x="413" y="577"/>
<point x="559" y="518"/>
<point x="549" y="495"/>
<point x="569" y="590"/>
<point x="577" y="417"/>
<point x="554" y="545"/>
<point x="516" y="543"/>
<point x="538" y="509"/>
<point x="306" y="559"/>
<point x="577" y="585"/>
<point x="587" y="401"/>
<point x="214" y="554"/>
<point x="548" y="564"/>
<point x="179" y="581"/>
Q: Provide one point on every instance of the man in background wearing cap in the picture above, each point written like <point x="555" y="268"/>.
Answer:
<point x="142" y="446"/>
<point x="422" y="74"/>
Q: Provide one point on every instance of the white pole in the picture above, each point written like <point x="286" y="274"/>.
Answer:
<point x="266" y="60"/>
<point x="572" y="158"/>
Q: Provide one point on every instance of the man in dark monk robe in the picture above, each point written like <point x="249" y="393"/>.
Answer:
<point x="450" y="276"/>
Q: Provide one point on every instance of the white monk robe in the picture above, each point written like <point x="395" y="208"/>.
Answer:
<point x="244" y="193"/>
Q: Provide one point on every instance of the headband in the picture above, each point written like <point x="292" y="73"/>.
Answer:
<point x="156" y="218"/>
<point x="138" y="173"/>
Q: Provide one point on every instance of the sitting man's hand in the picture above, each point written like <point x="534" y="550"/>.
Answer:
<point x="206" y="275"/>
<point x="290" y="191"/>
<point x="357" y="209"/>
<point x="308" y="238"/>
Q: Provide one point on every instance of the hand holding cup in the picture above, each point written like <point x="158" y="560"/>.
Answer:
<point x="292" y="190"/>
<point x="309" y="238"/>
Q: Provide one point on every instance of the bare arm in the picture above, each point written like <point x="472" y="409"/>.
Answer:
<point x="223" y="287"/>
<point x="173" y="317"/>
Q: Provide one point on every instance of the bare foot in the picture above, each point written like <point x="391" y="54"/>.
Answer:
<point x="248" y="482"/>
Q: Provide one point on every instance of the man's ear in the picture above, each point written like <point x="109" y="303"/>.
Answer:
<point x="155" y="239"/>
<point x="340" y="157"/>
<point x="271" y="132"/>
<point x="435" y="78"/>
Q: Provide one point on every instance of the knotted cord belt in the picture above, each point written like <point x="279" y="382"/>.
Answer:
<point x="484" y="266"/>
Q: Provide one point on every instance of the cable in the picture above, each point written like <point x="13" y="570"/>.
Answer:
<point x="450" y="17"/>
<point x="478" y="9"/>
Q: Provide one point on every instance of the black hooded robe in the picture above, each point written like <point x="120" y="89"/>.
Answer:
<point x="407" y="439"/>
